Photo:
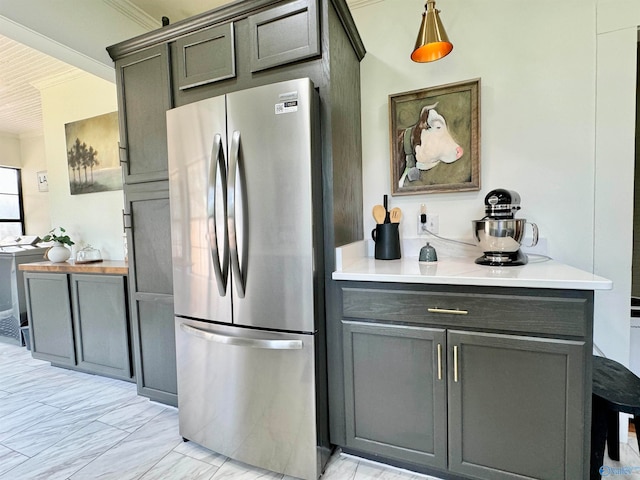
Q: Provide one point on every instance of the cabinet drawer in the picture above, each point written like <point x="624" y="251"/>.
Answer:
<point x="542" y="314"/>
<point x="284" y="34"/>
<point x="206" y="56"/>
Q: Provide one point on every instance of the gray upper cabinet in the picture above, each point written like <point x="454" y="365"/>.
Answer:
<point x="284" y="34"/>
<point x="144" y="95"/>
<point x="206" y="56"/>
<point x="50" y="321"/>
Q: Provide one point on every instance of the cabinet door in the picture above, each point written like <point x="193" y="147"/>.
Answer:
<point x="516" y="406"/>
<point x="101" y="324"/>
<point x="49" y="311"/>
<point x="206" y="56"/>
<point x="151" y="290"/>
<point x="395" y="391"/>
<point x="284" y="34"/>
<point x="144" y="95"/>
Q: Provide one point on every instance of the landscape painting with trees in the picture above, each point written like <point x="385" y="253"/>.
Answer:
<point x="92" y="154"/>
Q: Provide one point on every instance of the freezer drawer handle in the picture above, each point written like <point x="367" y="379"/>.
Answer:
<point x="242" y="341"/>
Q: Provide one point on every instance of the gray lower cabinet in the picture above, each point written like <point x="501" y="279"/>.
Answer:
<point x="50" y="322"/>
<point x="452" y="384"/>
<point x="101" y="324"/>
<point x="151" y="290"/>
<point x="80" y="321"/>
<point x="516" y="406"/>
<point x="395" y="396"/>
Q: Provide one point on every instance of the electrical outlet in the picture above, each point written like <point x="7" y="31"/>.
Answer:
<point x="433" y="222"/>
<point x="431" y="225"/>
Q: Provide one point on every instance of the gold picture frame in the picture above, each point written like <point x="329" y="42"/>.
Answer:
<point x="435" y="139"/>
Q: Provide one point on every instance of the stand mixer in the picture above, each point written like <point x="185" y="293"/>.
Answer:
<point x="499" y="234"/>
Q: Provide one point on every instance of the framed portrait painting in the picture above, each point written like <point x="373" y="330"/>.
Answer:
<point x="435" y="139"/>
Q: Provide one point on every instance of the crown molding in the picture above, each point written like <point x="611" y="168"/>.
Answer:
<point x="132" y="12"/>
<point x="353" y="4"/>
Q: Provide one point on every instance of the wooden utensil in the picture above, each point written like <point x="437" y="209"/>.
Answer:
<point x="379" y="213"/>
<point x="395" y="215"/>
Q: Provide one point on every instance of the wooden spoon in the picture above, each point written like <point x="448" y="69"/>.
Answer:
<point x="395" y="215"/>
<point x="379" y="213"/>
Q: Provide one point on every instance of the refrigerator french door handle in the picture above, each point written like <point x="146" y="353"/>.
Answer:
<point x="232" y="194"/>
<point x="242" y="341"/>
<point x="216" y="163"/>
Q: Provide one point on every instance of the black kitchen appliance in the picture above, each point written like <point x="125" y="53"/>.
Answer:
<point x="499" y="234"/>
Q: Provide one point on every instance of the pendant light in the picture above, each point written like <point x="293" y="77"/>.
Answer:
<point x="432" y="43"/>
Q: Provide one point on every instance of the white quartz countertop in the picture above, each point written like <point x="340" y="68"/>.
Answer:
<point x="352" y="263"/>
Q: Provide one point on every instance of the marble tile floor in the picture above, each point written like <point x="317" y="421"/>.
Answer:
<point x="628" y="468"/>
<point x="59" y="424"/>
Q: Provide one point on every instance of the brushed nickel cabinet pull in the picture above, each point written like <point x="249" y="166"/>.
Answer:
<point x="122" y="151"/>
<point x="126" y="221"/>
<point x="439" y="362"/>
<point x="455" y="363"/>
<point x="447" y="310"/>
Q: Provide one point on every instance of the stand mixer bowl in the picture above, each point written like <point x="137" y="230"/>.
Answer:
<point x="495" y="236"/>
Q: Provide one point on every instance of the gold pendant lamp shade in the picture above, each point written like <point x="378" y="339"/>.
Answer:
<point x="432" y="43"/>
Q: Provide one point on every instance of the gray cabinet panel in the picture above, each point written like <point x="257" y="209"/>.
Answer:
<point x="395" y="391"/>
<point x="144" y="96"/>
<point x="151" y="290"/>
<point x="101" y="324"/>
<point x="284" y="34"/>
<point x="157" y="376"/>
<point x="150" y="239"/>
<point x="206" y="56"/>
<point x="542" y="312"/>
<point x="49" y="311"/>
<point x="516" y="408"/>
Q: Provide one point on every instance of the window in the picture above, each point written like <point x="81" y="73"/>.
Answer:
<point x="11" y="211"/>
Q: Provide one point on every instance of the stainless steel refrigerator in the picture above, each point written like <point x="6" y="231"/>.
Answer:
<point x="246" y="224"/>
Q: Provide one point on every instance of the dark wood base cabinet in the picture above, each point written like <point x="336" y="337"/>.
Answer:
<point x="468" y="382"/>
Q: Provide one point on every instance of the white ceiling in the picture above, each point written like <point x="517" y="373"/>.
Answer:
<point x="22" y="68"/>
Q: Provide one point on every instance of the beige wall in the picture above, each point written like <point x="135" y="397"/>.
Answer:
<point x="537" y="110"/>
<point x="616" y="58"/>
<point x="95" y="218"/>
<point x="557" y="124"/>
<point x="36" y="203"/>
<point x="10" y="150"/>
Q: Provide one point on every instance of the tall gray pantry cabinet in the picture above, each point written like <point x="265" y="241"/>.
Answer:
<point x="237" y="46"/>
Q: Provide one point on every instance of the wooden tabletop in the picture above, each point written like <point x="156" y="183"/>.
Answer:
<point x="112" y="267"/>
